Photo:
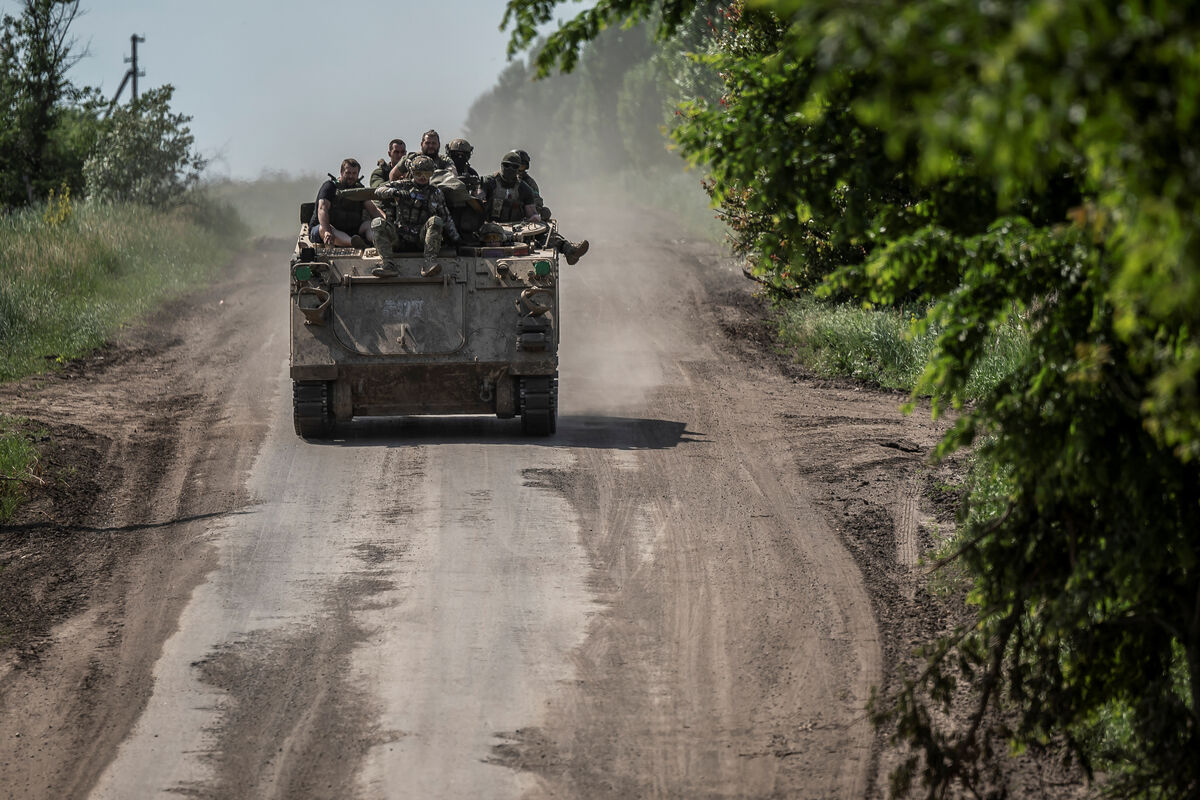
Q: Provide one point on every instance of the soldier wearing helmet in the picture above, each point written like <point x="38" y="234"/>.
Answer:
<point x="459" y="152"/>
<point x="505" y="198"/>
<point x="416" y="218"/>
<point x="466" y="208"/>
<point x="572" y="250"/>
<point x="526" y="178"/>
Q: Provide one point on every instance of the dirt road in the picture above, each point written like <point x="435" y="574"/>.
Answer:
<point x="687" y="592"/>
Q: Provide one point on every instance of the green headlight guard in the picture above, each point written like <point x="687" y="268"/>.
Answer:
<point x="302" y="272"/>
<point x="541" y="267"/>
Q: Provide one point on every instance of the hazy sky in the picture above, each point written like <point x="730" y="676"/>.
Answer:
<point x="299" y="85"/>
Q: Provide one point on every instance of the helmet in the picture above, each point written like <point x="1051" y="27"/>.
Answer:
<point x="524" y="158"/>
<point x="459" y="146"/>
<point x="511" y="157"/>
<point x="421" y="164"/>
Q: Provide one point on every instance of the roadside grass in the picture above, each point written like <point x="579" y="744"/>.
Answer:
<point x="878" y="345"/>
<point x="69" y="282"/>
<point x="270" y="204"/>
<point x="17" y="458"/>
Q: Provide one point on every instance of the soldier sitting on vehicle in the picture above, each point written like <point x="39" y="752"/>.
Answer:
<point x="338" y="220"/>
<point x="416" y="215"/>
<point x="508" y="199"/>
<point x="543" y="212"/>
<point x="396" y="152"/>
<point x="431" y="143"/>
<point x="467" y="210"/>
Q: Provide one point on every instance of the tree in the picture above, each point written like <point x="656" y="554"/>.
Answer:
<point x="145" y="155"/>
<point x="36" y="50"/>
<point x="1031" y="160"/>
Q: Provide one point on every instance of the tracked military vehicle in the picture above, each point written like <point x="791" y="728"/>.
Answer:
<point x="479" y="337"/>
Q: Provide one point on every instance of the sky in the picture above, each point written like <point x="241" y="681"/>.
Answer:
<point x="297" y="86"/>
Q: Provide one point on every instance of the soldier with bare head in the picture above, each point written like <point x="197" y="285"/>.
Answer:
<point x="341" y="221"/>
<point x="431" y="143"/>
<point x="396" y="151"/>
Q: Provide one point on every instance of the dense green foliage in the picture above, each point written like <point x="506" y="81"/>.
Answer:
<point x="47" y="126"/>
<point x="145" y="154"/>
<point x="53" y="134"/>
<point x="1026" y="164"/>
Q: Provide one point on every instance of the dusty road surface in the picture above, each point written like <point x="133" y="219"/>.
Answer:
<point x="687" y="592"/>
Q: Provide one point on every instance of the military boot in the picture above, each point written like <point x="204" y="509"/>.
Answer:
<point x="574" y="251"/>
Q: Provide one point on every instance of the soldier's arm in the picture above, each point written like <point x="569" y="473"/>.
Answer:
<point x="323" y="207"/>
<point x="372" y="209"/>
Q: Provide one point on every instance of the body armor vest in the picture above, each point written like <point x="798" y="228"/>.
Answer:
<point x="345" y="215"/>
<point x="505" y="205"/>
<point x="414" y="205"/>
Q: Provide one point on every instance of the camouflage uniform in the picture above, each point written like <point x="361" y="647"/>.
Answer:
<point x="415" y="217"/>
<point x="380" y="175"/>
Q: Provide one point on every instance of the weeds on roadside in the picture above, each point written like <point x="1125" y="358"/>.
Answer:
<point x="878" y="345"/>
<point x="70" y="279"/>
<point x="17" y="460"/>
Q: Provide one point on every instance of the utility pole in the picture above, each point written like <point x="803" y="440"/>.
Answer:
<point x="132" y="60"/>
<point x="132" y="73"/>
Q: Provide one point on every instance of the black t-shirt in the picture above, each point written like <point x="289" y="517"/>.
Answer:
<point x="345" y="215"/>
<point x="328" y="191"/>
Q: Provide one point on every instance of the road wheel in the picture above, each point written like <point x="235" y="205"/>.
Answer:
<point x="539" y="405"/>
<point x="310" y="409"/>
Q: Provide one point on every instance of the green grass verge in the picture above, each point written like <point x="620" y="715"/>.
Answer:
<point x="17" y="457"/>
<point x="67" y="284"/>
<point x="878" y="346"/>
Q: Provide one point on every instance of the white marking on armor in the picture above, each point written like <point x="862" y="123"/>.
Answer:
<point x="404" y="308"/>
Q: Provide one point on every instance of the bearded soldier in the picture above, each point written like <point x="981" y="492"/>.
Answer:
<point x="431" y="143"/>
<point x="339" y="220"/>
<point x="416" y="216"/>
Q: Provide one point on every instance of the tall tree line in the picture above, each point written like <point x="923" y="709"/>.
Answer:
<point x="609" y="114"/>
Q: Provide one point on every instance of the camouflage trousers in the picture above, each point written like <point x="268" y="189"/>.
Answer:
<point x="390" y="239"/>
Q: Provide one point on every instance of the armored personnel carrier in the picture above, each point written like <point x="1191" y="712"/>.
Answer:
<point x="480" y="337"/>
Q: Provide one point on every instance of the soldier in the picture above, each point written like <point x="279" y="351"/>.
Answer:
<point x="459" y="152"/>
<point x="416" y="217"/>
<point x="508" y="199"/>
<point x="396" y="151"/>
<point x="505" y="197"/>
<point x="543" y="212"/>
<point x="467" y="210"/>
<point x="339" y="220"/>
<point x="431" y="143"/>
